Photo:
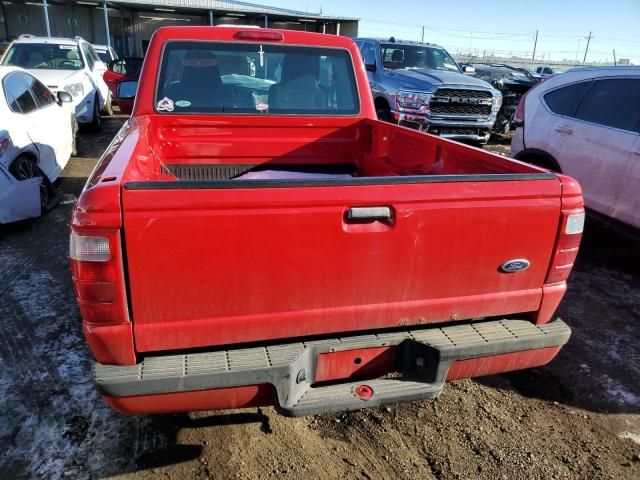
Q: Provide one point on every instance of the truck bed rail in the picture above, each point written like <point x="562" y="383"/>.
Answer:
<point x="355" y="181"/>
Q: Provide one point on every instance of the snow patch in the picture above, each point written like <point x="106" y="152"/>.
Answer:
<point x="36" y="301"/>
<point x="51" y="429"/>
<point x="631" y="436"/>
<point x="618" y="393"/>
<point x="68" y="199"/>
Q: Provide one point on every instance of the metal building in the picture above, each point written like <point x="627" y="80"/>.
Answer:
<point x="127" y="25"/>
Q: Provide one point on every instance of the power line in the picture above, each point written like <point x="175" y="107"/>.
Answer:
<point x="512" y="36"/>
<point x="448" y="36"/>
<point x="432" y="27"/>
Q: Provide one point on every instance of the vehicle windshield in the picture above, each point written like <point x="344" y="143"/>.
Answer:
<point x="50" y="56"/>
<point x="255" y="78"/>
<point x="397" y="57"/>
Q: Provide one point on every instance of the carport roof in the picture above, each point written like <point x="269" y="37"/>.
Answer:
<point x="229" y="6"/>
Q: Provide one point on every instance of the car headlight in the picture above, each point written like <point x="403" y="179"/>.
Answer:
<point x="497" y="101"/>
<point x="413" y="100"/>
<point x="75" y="89"/>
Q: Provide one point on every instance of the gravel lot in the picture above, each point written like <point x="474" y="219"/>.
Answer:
<point x="578" y="417"/>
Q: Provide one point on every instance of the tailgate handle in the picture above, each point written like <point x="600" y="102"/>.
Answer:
<point x="368" y="213"/>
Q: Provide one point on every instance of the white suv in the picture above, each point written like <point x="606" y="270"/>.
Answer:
<point x="586" y="123"/>
<point x="66" y="64"/>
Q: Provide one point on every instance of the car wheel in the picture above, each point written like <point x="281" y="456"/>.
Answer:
<point x="108" y="106"/>
<point x="25" y="167"/>
<point x="74" y="135"/>
<point x="540" y="161"/>
<point x="96" y="121"/>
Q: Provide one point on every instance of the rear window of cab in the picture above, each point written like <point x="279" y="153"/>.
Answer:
<point x="253" y="78"/>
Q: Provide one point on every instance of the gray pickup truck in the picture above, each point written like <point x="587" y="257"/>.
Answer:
<point x="419" y="85"/>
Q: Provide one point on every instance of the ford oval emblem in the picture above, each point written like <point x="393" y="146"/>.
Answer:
<point x="515" y="265"/>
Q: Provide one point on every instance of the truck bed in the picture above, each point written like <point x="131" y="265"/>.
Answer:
<point x="199" y="149"/>
<point x="213" y="260"/>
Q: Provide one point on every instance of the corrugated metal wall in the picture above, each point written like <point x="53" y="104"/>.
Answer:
<point x="130" y="30"/>
<point x="65" y="21"/>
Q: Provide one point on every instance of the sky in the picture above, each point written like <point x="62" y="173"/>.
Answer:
<point x="502" y="26"/>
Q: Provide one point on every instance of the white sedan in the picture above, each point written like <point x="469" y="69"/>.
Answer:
<point x="37" y="138"/>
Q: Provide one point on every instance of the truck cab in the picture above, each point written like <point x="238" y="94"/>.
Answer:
<point x="419" y="85"/>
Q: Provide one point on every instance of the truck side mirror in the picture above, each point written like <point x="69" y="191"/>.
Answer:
<point x="127" y="90"/>
<point x="370" y="67"/>
<point x="64" y="97"/>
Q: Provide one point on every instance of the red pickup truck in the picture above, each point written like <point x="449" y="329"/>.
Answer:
<point x="255" y="236"/>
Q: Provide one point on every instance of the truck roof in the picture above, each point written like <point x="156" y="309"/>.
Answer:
<point x="165" y="34"/>
<point x="634" y="69"/>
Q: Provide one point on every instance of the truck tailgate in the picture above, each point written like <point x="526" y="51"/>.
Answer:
<point x="213" y="266"/>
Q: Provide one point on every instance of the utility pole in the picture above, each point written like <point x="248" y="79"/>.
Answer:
<point x="106" y="23"/>
<point x="586" y="49"/>
<point x="46" y="17"/>
<point x="615" y="63"/>
<point x="535" y="45"/>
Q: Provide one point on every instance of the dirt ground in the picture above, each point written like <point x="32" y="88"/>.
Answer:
<point x="578" y="417"/>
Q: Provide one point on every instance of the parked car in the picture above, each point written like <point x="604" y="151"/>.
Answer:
<point x="283" y="246"/>
<point x="36" y="141"/>
<point x="106" y="53"/>
<point x="544" y="72"/>
<point x="419" y="85"/>
<point x="586" y="123"/>
<point x="467" y="68"/>
<point x="66" y="64"/>
<point x="512" y="82"/>
<point x="122" y="79"/>
<point x="527" y="73"/>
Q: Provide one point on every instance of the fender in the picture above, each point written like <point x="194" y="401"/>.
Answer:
<point x="546" y="160"/>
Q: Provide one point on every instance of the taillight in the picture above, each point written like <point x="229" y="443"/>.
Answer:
<point x="88" y="248"/>
<point x="566" y="249"/>
<point x="518" y="116"/>
<point x="98" y="277"/>
<point x="261" y="35"/>
<point x="569" y="232"/>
